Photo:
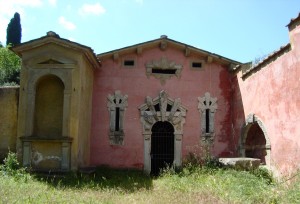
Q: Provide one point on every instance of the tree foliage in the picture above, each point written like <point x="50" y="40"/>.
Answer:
<point x="10" y="66"/>
<point x="14" y="30"/>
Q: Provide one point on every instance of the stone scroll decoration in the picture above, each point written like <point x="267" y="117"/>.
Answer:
<point x="117" y="104"/>
<point x="163" y="69"/>
<point x="162" y="108"/>
<point x="207" y="107"/>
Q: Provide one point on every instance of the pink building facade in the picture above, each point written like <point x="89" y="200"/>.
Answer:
<point x="156" y="102"/>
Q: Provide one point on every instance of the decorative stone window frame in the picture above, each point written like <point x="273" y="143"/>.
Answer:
<point x="116" y="104"/>
<point x="149" y="116"/>
<point x="163" y="64"/>
<point x="207" y="105"/>
<point x="251" y="120"/>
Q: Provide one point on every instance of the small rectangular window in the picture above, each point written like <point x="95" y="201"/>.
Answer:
<point x="129" y="63"/>
<point x="196" y="65"/>
<point x="163" y="71"/>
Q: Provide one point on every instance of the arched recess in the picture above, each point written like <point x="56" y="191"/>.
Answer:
<point x="254" y="141"/>
<point x="162" y="108"/>
<point x="36" y="76"/>
<point x="48" y="113"/>
<point x="47" y="100"/>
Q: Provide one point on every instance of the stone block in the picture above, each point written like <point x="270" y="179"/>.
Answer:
<point x="241" y="163"/>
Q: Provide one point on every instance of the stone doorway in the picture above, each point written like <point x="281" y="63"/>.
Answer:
<point x="168" y="111"/>
<point x="162" y="146"/>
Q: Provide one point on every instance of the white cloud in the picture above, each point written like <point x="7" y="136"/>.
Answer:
<point x="7" y="10"/>
<point x="66" y="24"/>
<point x="91" y="9"/>
<point x="52" y="2"/>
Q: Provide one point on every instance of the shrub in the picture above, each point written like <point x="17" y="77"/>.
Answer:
<point x="11" y="167"/>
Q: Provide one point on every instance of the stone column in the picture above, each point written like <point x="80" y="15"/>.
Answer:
<point x="178" y="150"/>
<point x="147" y="151"/>
<point x="26" y="154"/>
<point x="65" y="160"/>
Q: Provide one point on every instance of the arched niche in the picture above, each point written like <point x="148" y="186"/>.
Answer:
<point x="48" y="113"/>
<point x="162" y="108"/>
<point x="46" y="142"/>
<point x="254" y="141"/>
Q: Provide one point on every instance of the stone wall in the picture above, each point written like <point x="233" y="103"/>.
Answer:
<point x="8" y="119"/>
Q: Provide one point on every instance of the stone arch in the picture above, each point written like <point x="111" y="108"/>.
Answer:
<point x="162" y="108"/>
<point x="253" y="121"/>
<point x="30" y="87"/>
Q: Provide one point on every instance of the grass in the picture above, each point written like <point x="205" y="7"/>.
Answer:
<point x="191" y="185"/>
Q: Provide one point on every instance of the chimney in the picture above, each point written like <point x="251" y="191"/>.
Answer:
<point x="294" y="32"/>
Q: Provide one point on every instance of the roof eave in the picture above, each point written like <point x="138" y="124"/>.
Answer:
<point x="183" y="46"/>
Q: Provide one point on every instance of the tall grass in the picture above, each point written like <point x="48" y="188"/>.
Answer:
<point x="193" y="184"/>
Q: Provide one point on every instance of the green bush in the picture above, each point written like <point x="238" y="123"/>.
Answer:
<point x="11" y="167"/>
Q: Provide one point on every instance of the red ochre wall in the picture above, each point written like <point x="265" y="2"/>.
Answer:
<point x="112" y="76"/>
<point x="273" y="94"/>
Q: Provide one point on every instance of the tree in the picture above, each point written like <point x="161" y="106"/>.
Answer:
<point x="14" y="30"/>
<point x="10" y="66"/>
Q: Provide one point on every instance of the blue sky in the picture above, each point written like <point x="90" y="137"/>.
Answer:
<point x="238" y="29"/>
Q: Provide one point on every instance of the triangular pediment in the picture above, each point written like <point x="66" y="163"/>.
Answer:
<point x="51" y="61"/>
<point x="52" y="44"/>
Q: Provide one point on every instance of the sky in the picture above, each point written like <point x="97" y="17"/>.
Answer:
<point x="241" y="30"/>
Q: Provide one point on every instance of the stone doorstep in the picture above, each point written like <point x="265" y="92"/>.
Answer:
<point x="241" y="163"/>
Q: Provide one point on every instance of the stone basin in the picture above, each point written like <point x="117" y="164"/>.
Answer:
<point x="241" y="163"/>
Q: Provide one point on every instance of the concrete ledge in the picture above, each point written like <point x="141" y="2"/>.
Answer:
<point x="241" y="163"/>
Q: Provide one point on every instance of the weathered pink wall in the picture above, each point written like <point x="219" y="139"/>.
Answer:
<point x="272" y="93"/>
<point x="134" y="82"/>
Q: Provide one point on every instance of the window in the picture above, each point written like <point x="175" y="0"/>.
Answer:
<point x="117" y="104"/>
<point x="128" y="63"/>
<point x="163" y="69"/>
<point x="207" y="108"/>
<point x="197" y="64"/>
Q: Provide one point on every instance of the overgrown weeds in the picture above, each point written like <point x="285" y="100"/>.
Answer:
<point x="194" y="183"/>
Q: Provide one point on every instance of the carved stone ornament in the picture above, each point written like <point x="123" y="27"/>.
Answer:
<point x="116" y="102"/>
<point x="163" y="64"/>
<point x="162" y="108"/>
<point x="210" y="103"/>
